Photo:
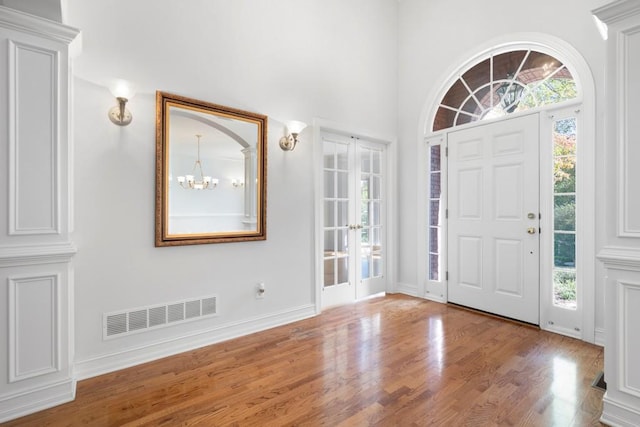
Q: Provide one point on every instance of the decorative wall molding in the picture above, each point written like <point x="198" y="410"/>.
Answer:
<point x="31" y="149"/>
<point x="617" y="10"/>
<point x="134" y="356"/>
<point x="620" y="258"/>
<point x="13" y="256"/>
<point x="35" y="246"/>
<point x="626" y="125"/>
<point x="628" y="345"/>
<point x="26" y="23"/>
<point x="20" y="404"/>
<point x="34" y="326"/>
<point x="616" y="413"/>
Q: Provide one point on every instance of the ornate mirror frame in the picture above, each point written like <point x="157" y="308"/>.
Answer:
<point x="222" y="120"/>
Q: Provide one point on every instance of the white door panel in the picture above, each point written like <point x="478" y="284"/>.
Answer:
<point x="494" y="201"/>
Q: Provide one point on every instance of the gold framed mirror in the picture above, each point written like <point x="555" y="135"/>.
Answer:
<point x="211" y="176"/>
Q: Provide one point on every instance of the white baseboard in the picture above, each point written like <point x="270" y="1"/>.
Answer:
<point x="407" y="289"/>
<point x="599" y="338"/>
<point x="134" y="356"/>
<point x="435" y="298"/>
<point x="37" y="399"/>
<point x="616" y="414"/>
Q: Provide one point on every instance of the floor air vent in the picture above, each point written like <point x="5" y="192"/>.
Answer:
<point x="127" y="322"/>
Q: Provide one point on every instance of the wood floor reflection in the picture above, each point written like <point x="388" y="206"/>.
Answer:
<point x="386" y="361"/>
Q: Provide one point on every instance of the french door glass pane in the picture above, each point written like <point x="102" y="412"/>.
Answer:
<point x="343" y="241"/>
<point x="366" y="161"/>
<point x="366" y="266"/>
<point x="375" y="213"/>
<point x="343" y="185"/>
<point x="364" y="214"/>
<point x="343" y="213"/>
<point x="375" y="238"/>
<point x="375" y="187"/>
<point x="342" y="157"/>
<point x="329" y="184"/>
<point x="365" y="190"/>
<point x="376" y="162"/>
<point x="343" y="270"/>
<point x="329" y="158"/>
<point x="329" y="213"/>
<point x="329" y="243"/>
<point x="329" y="272"/>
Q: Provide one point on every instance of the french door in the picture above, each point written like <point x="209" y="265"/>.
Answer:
<point x="494" y="218"/>
<point x="353" y="223"/>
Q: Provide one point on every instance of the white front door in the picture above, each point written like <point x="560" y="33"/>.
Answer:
<point x="353" y="219"/>
<point x="494" y="218"/>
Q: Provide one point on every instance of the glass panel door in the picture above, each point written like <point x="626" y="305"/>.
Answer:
<point x="371" y="223"/>
<point x="353" y="219"/>
<point x="336" y="214"/>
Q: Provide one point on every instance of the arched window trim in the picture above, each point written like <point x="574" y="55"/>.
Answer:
<point x="566" y="58"/>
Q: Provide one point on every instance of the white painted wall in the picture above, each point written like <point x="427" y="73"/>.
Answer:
<point x="437" y="36"/>
<point x="288" y="59"/>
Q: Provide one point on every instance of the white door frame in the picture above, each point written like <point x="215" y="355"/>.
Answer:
<point x="322" y="125"/>
<point x="586" y="160"/>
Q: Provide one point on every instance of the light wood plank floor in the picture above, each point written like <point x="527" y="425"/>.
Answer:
<point x="387" y="361"/>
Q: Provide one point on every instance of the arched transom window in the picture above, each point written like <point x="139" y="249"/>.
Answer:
<point x="502" y="84"/>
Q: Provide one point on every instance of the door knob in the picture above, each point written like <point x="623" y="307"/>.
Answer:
<point x="531" y="230"/>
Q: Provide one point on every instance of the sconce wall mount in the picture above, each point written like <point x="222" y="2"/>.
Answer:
<point x="123" y="91"/>
<point x="119" y="114"/>
<point x="289" y="141"/>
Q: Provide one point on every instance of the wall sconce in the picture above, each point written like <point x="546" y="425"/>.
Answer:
<point x="123" y="91"/>
<point x="237" y="183"/>
<point x="288" y="142"/>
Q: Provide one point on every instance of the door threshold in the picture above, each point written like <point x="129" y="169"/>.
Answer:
<point x="495" y="316"/>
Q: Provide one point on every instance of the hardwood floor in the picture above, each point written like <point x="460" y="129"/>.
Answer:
<point x="388" y="361"/>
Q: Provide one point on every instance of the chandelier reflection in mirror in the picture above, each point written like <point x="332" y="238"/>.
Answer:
<point x="190" y="182"/>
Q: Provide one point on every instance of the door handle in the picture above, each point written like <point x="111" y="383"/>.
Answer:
<point x="531" y="230"/>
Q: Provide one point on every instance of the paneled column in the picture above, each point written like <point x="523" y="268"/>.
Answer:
<point x="621" y="254"/>
<point x="36" y="273"/>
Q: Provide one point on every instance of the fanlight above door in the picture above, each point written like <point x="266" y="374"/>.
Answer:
<point x="210" y="172"/>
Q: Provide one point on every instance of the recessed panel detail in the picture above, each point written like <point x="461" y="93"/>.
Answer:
<point x="470" y="150"/>
<point x="507" y="181"/>
<point x="470" y="194"/>
<point x="508" y="267"/>
<point x="509" y="143"/>
<point x="33" y="143"/>
<point x="33" y="326"/>
<point x="630" y="317"/>
<point x="470" y="261"/>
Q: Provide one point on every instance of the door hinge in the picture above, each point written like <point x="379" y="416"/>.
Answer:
<point x="446" y="275"/>
<point x="446" y="214"/>
<point x="446" y="151"/>
<point x="539" y="230"/>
